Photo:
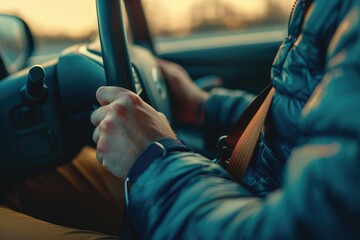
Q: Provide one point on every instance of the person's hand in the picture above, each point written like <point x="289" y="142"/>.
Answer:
<point x="187" y="99"/>
<point x="125" y="126"/>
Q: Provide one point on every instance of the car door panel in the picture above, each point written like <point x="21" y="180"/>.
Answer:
<point x="244" y="65"/>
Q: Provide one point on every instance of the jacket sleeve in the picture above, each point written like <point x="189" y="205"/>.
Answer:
<point x="222" y="110"/>
<point x="185" y="196"/>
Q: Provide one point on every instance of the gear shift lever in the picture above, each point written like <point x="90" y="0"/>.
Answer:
<point x="34" y="91"/>
<point x="33" y="94"/>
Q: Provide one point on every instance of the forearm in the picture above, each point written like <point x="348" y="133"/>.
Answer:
<point x="185" y="196"/>
<point x="174" y="197"/>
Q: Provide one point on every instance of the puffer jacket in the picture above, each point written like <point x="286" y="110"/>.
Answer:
<point x="310" y="154"/>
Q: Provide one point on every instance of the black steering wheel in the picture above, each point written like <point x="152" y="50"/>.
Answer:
<point x="36" y="135"/>
<point x="119" y="69"/>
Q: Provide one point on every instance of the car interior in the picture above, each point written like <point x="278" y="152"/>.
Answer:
<point x="45" y="109"/>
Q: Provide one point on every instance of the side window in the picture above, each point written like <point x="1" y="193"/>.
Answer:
<point x="55" y="25"/>
<point x="191" y="19"/>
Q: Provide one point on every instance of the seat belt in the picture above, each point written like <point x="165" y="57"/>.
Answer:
<point x="237" y="148"/>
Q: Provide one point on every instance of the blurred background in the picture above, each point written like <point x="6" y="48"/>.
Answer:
<point x="57" y="24"/>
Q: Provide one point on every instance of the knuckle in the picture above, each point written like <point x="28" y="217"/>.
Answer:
<point x="107" y="126"/>
<point x="119" y="109"/>
<point x="132" y="99"/>
<point x="136" y="100"/>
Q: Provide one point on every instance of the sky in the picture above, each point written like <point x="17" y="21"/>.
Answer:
<point x="76" y="18"/>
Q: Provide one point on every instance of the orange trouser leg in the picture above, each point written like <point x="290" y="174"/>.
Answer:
<point x="18" y="226"/>
<point x="81" y="195"/>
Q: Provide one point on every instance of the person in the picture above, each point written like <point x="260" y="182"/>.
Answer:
<point x="303" y="177"/>
<point x="312" y="126"/>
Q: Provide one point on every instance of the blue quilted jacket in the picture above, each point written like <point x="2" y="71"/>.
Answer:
<point x="303" y="182"/>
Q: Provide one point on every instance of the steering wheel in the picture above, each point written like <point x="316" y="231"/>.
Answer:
<point x="36" y="135"/>
<point x="119" y="69"/>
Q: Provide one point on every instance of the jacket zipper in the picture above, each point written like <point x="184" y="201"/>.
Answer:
<point x="293" y="8"/>
<point x="292" y="12"/>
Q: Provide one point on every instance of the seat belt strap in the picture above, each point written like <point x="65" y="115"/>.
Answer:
<point x="237" y="148"/>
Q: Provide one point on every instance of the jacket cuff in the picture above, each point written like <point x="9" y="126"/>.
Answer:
<point x="154" y="151"/>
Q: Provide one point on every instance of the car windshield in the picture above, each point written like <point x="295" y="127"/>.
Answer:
<point x="58" y="24"/>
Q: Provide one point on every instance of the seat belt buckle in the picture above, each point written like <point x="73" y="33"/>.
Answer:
<point x="224" y="152"/>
